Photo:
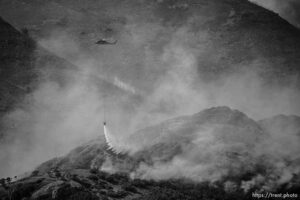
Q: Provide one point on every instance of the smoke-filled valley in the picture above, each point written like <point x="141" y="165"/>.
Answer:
<point x="201" y="91"/>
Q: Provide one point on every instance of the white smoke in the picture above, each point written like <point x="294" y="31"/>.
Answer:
<point x="124" y="85"/>
<point x="218" y="152"/>
<point x="158" y="59"/>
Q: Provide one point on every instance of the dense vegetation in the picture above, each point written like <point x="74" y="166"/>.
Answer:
<point x="94" y="184"/>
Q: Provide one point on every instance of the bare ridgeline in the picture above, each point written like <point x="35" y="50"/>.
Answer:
<point x="149" y="100"/>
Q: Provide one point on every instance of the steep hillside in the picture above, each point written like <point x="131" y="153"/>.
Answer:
<point x="231" y="130"/>
<point x="211" y="153"/>
<point x="215" y="144"/>
<point x="210" y="120"/>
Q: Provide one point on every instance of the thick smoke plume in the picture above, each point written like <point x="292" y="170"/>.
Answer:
<point x="243" y="158"/>
<point x="150" y="75"/>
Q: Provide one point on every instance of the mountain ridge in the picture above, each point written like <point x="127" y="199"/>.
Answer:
<point x="92" y="163"/>
<point x="176" y="138"/>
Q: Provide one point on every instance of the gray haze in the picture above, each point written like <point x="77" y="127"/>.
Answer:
<point x="144" y="84"/>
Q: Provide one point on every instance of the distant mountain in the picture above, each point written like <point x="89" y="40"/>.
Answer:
<point x="16" y="65"/>
<point x="225" y="35"/>
<point x="23" y="64"/>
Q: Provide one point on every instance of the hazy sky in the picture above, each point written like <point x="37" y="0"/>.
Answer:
<point x="288" y="9"/>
